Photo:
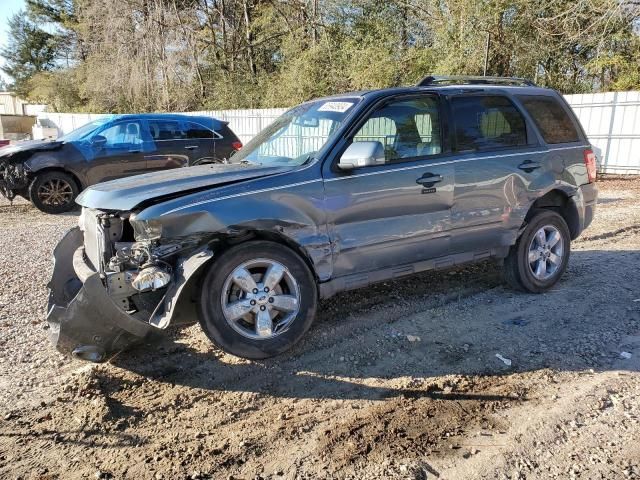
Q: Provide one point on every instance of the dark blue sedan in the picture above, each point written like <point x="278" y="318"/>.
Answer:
<point x="52" y="174"/>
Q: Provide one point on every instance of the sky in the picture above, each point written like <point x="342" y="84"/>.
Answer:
<point x="7" y="9"/>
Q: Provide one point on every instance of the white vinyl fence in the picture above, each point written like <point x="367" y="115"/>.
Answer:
<point x="611" y="121"/>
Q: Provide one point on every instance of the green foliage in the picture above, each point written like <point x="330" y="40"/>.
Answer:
<point x="30" y="50"/>
<point x="158" y="55"/>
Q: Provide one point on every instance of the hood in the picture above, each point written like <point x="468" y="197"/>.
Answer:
<point x="127" y="193"/>
<point x="28" y="146"/>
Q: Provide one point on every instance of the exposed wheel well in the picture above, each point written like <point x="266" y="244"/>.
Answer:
<point x="58" y="169"/>
<point x="276" y="238"/>
<point x="558" y="201"/>
<point x="195" y="282"/>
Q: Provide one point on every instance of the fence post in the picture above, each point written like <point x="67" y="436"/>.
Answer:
<point x="609" y="140"/>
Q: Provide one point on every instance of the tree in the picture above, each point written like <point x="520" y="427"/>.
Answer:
<point x="150" y="55"/>
<point x="30" y="50"/>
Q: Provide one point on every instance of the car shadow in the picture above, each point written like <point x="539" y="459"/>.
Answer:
<point x="374" y="344"/>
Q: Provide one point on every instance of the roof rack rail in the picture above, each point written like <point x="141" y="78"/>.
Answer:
<point x="431" y="80"/>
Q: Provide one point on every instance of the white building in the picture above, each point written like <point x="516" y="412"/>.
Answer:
<point x="10" y="104"/>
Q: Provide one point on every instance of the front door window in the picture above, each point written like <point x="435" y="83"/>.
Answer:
<point x="406" y="128"/>
<point x="122" y="136"/>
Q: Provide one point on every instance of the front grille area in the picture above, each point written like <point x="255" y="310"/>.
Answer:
<point x="93" y="238"/>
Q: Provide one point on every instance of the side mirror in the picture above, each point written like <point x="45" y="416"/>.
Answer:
<point x="362" y="154"/>
<point x="98" y="141"/>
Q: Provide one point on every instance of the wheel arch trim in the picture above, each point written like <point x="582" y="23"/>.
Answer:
<point x="58" y="168"/>
<point x="562" y="199"/>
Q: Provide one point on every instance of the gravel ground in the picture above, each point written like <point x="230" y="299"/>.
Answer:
<point x="398" y="381"/>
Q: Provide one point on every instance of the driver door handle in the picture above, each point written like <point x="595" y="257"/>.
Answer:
<point x="429" y="179"/>
<point x="529" y="166"/>
<point x="191" y="147"/>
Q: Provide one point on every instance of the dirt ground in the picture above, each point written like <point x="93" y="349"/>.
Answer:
<point x="398" y="381"/>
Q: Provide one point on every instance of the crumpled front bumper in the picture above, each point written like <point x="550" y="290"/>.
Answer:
<point x="83" y="320"/>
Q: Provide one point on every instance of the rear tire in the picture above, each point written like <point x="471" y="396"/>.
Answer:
<point x="540" y="256"/>
<point x="53" y="192"/>
<point x="257" y="300"/>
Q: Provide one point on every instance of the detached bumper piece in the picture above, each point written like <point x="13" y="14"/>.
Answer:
<point x="83" y="320"/>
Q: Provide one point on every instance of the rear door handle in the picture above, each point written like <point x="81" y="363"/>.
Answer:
<point x="529" y="166"/>
<point x="429" y="179"/>
<point x="191" y="147"/>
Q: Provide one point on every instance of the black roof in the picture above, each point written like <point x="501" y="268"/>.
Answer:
<point x="451" y="84"/>
<point x="432" y="80"/>
<point x="208" y="121"/>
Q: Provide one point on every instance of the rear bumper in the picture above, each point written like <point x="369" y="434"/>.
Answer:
<point x="589" y="197"/>
<point x="83" y="320"/>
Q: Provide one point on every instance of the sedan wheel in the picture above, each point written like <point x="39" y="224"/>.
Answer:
<point x="53" y="192"/>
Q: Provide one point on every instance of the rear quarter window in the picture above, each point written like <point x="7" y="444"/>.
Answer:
<point x="553" y="122"/>
<point x="197" y="131"/>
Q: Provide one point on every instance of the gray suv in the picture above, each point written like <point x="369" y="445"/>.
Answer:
<point x="336" y="194"/>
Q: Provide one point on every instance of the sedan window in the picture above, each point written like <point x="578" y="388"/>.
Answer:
<point x="166" y="130"/>
<point x="195" y="131"/>
<point x="122" y="134"/>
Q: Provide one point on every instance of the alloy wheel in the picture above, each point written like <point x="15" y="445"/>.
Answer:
<point x="260" y="299"/>
<point x="55" y="192"/>
<point x="546" y="252"/>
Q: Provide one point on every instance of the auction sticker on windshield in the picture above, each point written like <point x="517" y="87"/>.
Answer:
<point x="339" y="107"/>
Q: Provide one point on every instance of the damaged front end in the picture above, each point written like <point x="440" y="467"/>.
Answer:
<point x="115" y="283"/>
<point x="13" y="179"/>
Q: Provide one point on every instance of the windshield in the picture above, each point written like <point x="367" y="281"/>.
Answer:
<point x="84" y="131"/>
<point x="297" y="135"/>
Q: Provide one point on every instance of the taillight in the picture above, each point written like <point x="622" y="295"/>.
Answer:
<point x="590" y="163"/>
<point x="236" y="145"/>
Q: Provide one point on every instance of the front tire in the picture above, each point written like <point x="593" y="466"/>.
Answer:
<point x="53" y="192"/>
<point x="540" y="256"/>
<point x="257" y="300"/>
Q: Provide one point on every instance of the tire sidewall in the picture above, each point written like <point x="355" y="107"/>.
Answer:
<point x="212" y="318"/>
<point x="39" y="180"/>
<point x="528" y="280"/>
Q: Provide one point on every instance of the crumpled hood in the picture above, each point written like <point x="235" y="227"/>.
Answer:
<point x="29" y="145"/>
<point x="127" y="193"/>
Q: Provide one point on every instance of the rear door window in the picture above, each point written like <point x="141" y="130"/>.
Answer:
<point x="552" y="120"/>
<point x="487" y="122"/>
<point x="166" y="130"/>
